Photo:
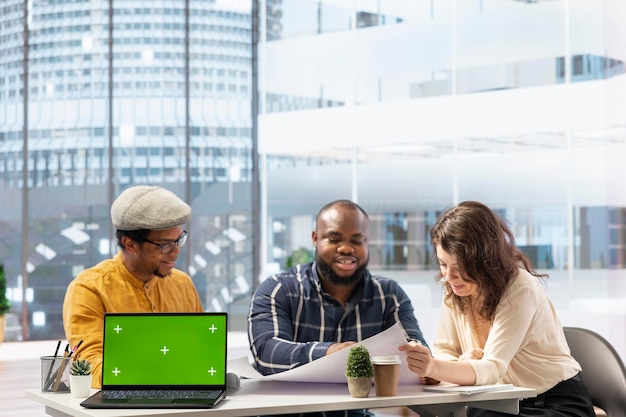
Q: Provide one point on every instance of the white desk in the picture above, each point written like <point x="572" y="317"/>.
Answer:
<point x="257" y="397"/>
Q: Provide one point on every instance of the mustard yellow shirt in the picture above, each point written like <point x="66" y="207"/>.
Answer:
<point x="110" y="287"/>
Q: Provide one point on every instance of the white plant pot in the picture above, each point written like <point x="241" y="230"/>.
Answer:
<point x="80" y="385"/>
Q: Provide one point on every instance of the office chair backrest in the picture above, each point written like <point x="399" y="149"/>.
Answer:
<point x="603" y="371"/>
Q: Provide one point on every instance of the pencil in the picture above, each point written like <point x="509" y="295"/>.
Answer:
<point x="56" y="352"/>
<point x="64" y="361"/>
<point x="76" y="348"/>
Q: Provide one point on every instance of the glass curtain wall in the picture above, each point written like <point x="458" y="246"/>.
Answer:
<point x="410" y="107"/>
<point x="170" y="106"/>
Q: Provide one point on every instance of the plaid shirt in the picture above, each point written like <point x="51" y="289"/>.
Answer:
<point x="293" y="322"/>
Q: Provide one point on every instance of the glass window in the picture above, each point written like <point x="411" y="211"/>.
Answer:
<point x="416" y="108"/>
<point x="69" y="147"/>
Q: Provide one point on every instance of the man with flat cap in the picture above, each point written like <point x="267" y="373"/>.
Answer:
<point x="140" y="278"/>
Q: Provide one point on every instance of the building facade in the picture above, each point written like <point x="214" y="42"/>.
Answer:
<point x="108" y="94"/>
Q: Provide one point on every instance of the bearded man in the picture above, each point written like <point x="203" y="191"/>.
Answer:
<point x="313" y="310"/>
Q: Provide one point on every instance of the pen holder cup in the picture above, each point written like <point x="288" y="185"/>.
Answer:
<point x="55" y="374"/>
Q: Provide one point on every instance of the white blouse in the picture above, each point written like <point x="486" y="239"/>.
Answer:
<point x="526" y="346"/>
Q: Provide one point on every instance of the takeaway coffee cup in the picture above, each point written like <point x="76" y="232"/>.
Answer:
<point x="386" y="374"/>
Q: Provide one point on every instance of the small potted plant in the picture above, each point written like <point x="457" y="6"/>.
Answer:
<point x="5" y="304"/>
<point x="80" y="378"/>
<point x="359" y="372"/>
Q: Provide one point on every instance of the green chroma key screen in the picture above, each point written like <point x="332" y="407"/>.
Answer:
<point x="155" y="349"/>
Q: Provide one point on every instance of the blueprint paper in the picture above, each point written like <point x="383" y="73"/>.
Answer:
<point x="332" y="368"/>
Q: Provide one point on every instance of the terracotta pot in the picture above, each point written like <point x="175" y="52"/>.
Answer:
<point x="3" y="325"/>
<point x="359" y="387"/>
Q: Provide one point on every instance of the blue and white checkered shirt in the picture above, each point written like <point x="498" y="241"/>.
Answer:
<point x="293" y="322"/>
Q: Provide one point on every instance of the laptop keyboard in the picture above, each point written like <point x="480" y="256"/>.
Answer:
<point x="160" y="394"/>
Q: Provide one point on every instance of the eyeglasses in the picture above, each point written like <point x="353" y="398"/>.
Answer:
<point x="168" y="247"/>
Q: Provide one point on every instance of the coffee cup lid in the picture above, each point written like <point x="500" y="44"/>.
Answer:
<point x="386" y="360"/>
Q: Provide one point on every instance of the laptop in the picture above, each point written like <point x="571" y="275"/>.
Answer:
<point x="147" y="357"/>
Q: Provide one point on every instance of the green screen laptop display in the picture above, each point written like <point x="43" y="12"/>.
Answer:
<point x="164" y="350"/>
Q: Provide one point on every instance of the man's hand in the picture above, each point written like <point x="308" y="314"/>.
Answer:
<point x="336" y="347"/>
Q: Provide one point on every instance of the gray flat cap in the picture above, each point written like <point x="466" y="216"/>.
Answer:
<point x="148" y="207"/>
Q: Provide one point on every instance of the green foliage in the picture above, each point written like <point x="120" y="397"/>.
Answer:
<point x="359" y="363"/>
<point x="5" y="305"/>
<point x="299" y="257"/>
<point x="80" y="367"/>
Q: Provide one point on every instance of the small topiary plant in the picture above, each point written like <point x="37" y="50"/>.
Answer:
<point x="359" y="363"/>
<point x="5" y="304"/>
<point x="80" y="367"/>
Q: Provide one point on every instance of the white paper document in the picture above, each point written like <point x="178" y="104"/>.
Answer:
<point x="332" y="368"/>
<point x="467" y="389"/>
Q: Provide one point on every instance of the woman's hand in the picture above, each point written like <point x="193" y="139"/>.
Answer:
<point x="426" y="380"/>
<point x="418" y="358"/>
<point x="474" y="353"/>
<point x="432" y="370"/>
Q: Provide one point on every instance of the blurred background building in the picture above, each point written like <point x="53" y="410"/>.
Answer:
<point x="170" y="106"/>
<point x="404" y="106"/>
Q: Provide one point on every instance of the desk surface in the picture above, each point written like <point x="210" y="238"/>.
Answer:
<point x="257" y="397"/>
